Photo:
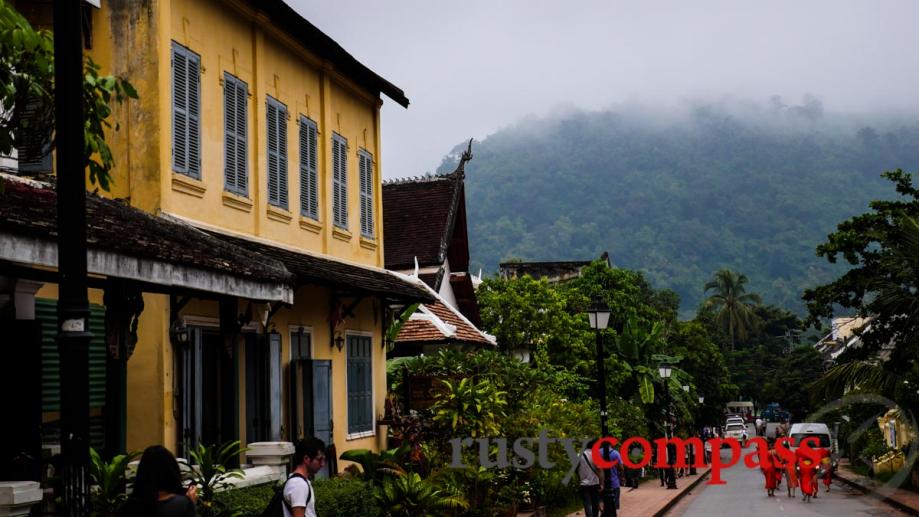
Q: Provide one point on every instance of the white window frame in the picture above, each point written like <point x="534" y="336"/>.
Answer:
<point x="373" y="391"/>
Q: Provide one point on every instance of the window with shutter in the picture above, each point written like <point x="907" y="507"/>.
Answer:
<point x="360" y="385"/>
<point x="235" y="116"/>
<point x="33" y="145"/>
<point x="309" y="199"/>
<point x="366" y="179"/>
<point x="340" y="180"/>
<point x="277" y="152"/>
<point x="186" y="111"/>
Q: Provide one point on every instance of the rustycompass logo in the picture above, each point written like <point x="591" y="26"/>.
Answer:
<point x="494" y="452"/>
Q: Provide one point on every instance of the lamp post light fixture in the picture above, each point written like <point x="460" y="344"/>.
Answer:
<point x="701" y="399"/>
<point x="665" y="371"/>
<point x="686" y="388"/>
<point x="598" y="316"/>
<point x="339" y="342"/>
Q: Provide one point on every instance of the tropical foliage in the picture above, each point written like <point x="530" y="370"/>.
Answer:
<point x="210" y="470"/>
<point x="882" y="246"/>
<point x="27" y="77"/>
<point x="109" y="482"/>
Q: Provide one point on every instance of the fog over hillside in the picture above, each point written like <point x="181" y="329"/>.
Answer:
<point x="679" y="193"/>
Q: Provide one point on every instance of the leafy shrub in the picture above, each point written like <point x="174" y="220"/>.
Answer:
<point x="344" y="497"/>
<point x="243" y="502"/>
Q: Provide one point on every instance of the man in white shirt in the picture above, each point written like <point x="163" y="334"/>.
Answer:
<point x="590" y="481"/>
<point x="299" y="499"/>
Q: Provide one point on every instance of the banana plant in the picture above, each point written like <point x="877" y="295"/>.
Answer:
<point x="638" y="345"/>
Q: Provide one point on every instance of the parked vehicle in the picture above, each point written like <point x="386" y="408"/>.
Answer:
<point x="821" y="432"/>
<point x="743" y="408"/>
<point x="734" y="420"/>
<point x="737" y="431"/>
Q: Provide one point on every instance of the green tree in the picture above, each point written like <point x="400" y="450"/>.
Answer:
<point x="527" y="314"/>
<point x="787" y="384"/>
<point x="732" y="304"/>
<point x="27" y="76"/>
<point x="883" y="245"/>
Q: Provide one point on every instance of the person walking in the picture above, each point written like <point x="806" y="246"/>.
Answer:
<point x="808" y="476"/>
<point x="299" y="499"/>
<point x="616" y="459"/>
<point x="158" y="490"/>
<point x="589" y="476"/>
<point x="769" y="472"/>
<point x="789" y="470"/>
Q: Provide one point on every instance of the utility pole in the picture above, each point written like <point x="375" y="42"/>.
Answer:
<point x="73" y="305"/>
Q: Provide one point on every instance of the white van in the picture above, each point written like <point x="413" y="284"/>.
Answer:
<point x="819" y="431"/>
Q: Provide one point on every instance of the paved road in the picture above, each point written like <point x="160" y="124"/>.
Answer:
<point x="744" y="496"/>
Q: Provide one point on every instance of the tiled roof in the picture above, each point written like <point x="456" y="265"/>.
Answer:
<point x="313" y="269"/>
<point x="439" y="323"/>
<point x="418" y="218"/>
<point x="30" y="210"/>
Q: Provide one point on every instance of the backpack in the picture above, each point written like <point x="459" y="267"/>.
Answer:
<point x="276" y="507"/>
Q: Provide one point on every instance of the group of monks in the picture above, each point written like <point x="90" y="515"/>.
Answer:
<point x="803" y="472"/>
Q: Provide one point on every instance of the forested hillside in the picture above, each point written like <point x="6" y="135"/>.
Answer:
<point x="678" y="196"/>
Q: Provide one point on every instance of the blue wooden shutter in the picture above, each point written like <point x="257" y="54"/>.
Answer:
<point x="186" y="111"/>
<point x="360" y="385"/>
<point x="340" y="180"/>
<point x="277" y="153"/>
<point x="366" y="180"/>
<point x="235" y="111"/>
<point x="309" y="199"/>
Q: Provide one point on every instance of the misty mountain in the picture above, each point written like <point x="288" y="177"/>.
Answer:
<point x="678" y="195"/>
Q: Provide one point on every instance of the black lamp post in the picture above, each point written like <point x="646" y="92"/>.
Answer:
<point x="598" y="315"/>
<point x="665" y="371"/>
<point x="692" y="450"/>
<point x="73" y="303"/>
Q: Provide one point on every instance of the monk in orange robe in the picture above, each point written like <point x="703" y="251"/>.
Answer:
<point x="769" y="471"/>
<point x="808" y="471"/>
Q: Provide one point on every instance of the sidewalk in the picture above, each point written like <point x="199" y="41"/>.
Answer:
<point x="903" y="500"/>
<point x="652" y="500"/>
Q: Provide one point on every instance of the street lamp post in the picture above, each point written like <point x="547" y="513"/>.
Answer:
<point x="665" y="371"/>
<point x="692" y="448"/>
<point x="598" y="315"/>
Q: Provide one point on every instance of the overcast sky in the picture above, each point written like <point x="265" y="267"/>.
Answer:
<point x="474" y="66"/>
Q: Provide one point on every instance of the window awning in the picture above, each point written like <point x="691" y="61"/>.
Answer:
<point x="125" y="242"/>
<point x="323" y="270"/>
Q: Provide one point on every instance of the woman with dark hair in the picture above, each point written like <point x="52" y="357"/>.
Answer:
<point x="158" y="490"/>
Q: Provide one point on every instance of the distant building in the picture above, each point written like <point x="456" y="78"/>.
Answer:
<point x="847" y="333"/>
<point x="555" y="271"/>
<point x="424" y="221"/>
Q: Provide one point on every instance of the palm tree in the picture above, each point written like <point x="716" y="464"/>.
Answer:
<point x="732" y="304"/>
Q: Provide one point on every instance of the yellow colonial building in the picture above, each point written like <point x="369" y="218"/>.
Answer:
<point x="256" y="130"/>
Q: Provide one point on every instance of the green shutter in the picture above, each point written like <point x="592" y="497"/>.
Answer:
<point x="46" y="314"/>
